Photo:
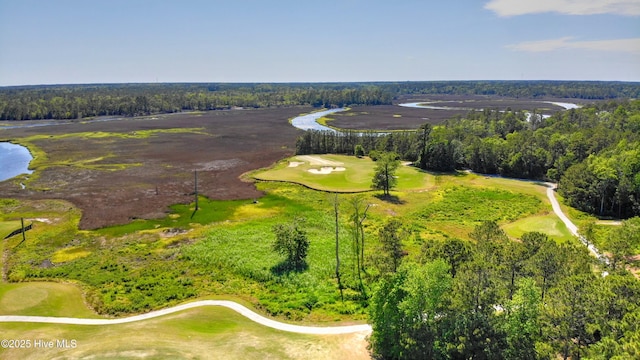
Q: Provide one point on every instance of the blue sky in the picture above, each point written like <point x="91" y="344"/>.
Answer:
<point x="112" y="41"/>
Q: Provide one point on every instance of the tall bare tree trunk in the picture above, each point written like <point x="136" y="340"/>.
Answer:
<point x="335" y="210"/>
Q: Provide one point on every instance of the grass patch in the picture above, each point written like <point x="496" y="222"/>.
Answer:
<point x="43" y="299"/>
<point x="69" y="254"/>
<point x="548" y="224"/>
<point x="468" y="204"/>
<point x="138" y="134"/>
<point x="6" y="227"/>
<point x="349" y="174"/>
<point x="209" y="211"/>
<point x="457" y="209"/>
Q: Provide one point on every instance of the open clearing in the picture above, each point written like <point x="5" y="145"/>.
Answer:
<point x="549" y="224"/>
<point x="207" y="333"/>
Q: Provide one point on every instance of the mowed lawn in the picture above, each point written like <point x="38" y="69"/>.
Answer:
<point x="340" y="173"/>
<point x="548" y="224"/>
<point x="201" y="333"/>
<point x="43" y="299"/>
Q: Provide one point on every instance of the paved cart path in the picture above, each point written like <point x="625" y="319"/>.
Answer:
<point x="570" y="225"/>
<point x="314" y="330"/>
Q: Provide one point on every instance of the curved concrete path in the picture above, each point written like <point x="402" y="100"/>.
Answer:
<point x="329" y="330"/>
<point x="570" y="225"/>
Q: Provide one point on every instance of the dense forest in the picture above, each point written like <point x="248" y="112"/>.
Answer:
<point x="591" y="90"/>
<point x="81" y="101"/>
<point x="495" y="298"/>
<point x="593" y="152"/>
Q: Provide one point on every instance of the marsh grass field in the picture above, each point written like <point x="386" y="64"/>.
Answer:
<point x="117" y="171"/>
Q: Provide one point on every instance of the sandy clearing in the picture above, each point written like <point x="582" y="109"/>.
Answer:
<point x="313" y="330"/>
<point x="44" y="220"/>
<point x="326" y="170"/>
<point x="295" y="163"/>
<point x="315" y="160"/>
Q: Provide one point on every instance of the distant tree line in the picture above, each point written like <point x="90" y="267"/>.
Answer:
<point x="591" y="90"/>
<point x="79" y="101"/>
<point x="593" y="152"/>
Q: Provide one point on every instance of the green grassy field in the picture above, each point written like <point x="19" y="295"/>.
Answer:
<point x="549" y="224"/>
<point x="43" y="299"/>
<point x="354" y="174"/>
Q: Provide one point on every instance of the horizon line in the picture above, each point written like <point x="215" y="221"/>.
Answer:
<point x="313" y="82"/>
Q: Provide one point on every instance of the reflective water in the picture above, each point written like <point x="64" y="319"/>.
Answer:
<point x="14" y="160"/>
<point x="309" y="121"/>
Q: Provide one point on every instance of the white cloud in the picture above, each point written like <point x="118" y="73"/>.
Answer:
<point x="570" y="7"/>
<point x="617" y="45"/>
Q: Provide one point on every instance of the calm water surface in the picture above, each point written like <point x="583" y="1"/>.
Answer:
<point x="14" y="160"/>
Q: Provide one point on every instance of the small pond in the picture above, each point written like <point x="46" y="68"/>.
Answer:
<point x="14" y="160"/>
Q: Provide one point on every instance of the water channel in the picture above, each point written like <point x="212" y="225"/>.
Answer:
<point x="310" y="121"/>
<point x="425" y="105"/>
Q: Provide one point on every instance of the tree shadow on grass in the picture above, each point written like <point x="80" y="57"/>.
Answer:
<point x="393" y="199"/>
<point x="285" y="267"/>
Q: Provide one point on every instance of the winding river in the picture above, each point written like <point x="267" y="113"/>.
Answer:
<point x="14" y="160"/>
<point x="310" y="121"/>
<point x="425" y="105"/>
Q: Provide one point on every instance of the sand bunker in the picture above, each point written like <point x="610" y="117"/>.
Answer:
<point x="326" y="170"/>
<point x="315" y="160"/>
<point x="295" y="163"/>
<point x="44" y="220"/>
